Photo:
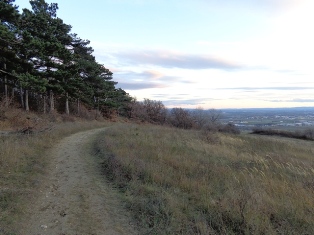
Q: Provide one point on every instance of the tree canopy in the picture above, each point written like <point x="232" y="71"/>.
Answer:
<point x="41" y="59"/>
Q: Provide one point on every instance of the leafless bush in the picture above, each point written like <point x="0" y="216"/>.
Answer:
<point x="229" y="128"/>
<point x="309" y="133"/>
<point x="206" y="119"/>
<point x="147" y="111"/>
<point x="214" y="116"/>
<point x="84" y="113"/>
<point x="136" y="110"/>
<point x="180" y="118"/>
<point x="200" y="117"/>
<point x="211" y="137"/>
<point x="156" y="111"/>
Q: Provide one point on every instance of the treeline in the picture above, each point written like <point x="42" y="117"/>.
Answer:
<point x="44" y="66"/>
<point x="156" y="113"/>
<point x="307" y="134"/>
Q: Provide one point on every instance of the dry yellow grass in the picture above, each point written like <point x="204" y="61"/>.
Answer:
<point x="175" y="182"/>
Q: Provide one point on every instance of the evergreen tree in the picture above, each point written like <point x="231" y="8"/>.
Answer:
<point x="48" y="37"/>
<point x="8" y="18"/>
<point x="39" y="55"/>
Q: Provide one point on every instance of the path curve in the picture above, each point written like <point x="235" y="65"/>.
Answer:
<point x="74" y="199"/>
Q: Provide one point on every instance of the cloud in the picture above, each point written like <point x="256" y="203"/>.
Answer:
<point x="178" y="96"/>
<point x="285" y="71"/>
<point x="170" y="59"/>
<point x="149" y="75"/>
<point x="179" y="103"/>
<point x="267" y="88"/>
<point x="139" y="85"/>
<point x="186" y="102"/>
<point x="295" y="100"/>
<point x="303" y="100"/>
<point x="149" y="79"/>
<point x="269" y="5"/>
<point x="179" y="100"/>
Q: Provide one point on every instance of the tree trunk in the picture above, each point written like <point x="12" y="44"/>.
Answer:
<point x="22" y="97"/>
<point x="6" y="98"/>
<point x="26" y="101"/>
<point x="97" y="108"/>
<point x="52" y="105"/>
<point x="78" y="107"/>
<point x="67" y="110"/>
<point x="39" y="98"/>
<point x="12" y="96"/>
<point x="45" y="106"/>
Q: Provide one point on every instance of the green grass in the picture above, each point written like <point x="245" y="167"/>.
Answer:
<point x="23" y="160"/>
<point x="176" y="182"/>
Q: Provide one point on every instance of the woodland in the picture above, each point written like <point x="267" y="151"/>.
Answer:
<point x="45" y="67"/>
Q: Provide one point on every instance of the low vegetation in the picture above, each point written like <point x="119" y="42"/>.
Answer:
<point x="23" y="158"/>
<point x="155" y="112"/>
<point x="307" y="134"/>
<point x="177" y="181"/>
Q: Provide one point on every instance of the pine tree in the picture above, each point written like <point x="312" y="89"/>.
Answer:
<point x="48" y="37"/>
<point x="40" y="56"/>
<point x="8" y="18"/>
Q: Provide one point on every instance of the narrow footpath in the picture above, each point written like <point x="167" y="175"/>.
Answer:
<point x="74" y="199"/>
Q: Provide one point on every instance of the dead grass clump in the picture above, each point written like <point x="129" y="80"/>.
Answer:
<point x="84" y="113"/>
<point x="67" y="118"/>
<point x="210" y="136"/>
<point x="2" y="115"/>
<point x="175" y="182"/>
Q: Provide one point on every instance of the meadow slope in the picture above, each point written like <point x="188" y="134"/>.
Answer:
<point x="191" y="182"/>
<point x="172" y="181"/>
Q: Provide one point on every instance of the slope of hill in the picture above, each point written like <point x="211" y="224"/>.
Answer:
<point x="186" y="182"/>
<point x="172" y="181"/>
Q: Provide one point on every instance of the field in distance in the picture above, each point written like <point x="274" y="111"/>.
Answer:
<point x="275" y="118"/>
<point x="186" y="182"/>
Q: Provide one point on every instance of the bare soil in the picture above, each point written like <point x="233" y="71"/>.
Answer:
<point x="74" y="199"/>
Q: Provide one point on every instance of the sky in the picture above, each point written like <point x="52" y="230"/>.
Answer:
<point x="202" y="53"/>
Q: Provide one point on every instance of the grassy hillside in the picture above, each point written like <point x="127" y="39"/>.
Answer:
<point x="185" y="182"/>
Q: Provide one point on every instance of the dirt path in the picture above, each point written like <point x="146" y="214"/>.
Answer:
<point x="74" y="199"/>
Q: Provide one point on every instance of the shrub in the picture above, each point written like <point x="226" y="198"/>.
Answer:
<point x="230" y="128"/>
<point x="180" y="118"/>
<point x="156" y="111"/>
